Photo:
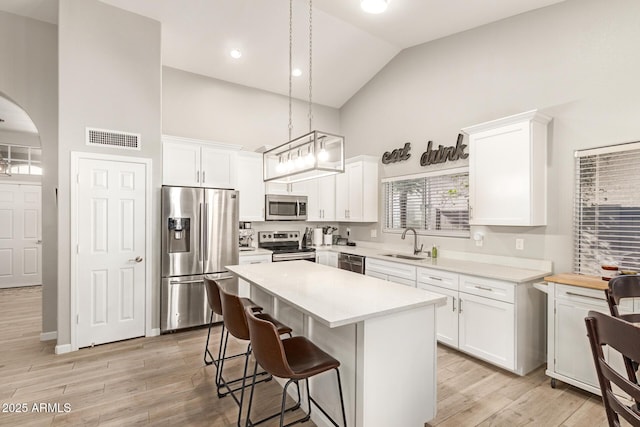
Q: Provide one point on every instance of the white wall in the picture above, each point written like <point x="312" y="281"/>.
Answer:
<point x="29" y="77"/>
<point x="576" y="61"/>
<point x="196" y="106"/>
<point x="110" y="78"/>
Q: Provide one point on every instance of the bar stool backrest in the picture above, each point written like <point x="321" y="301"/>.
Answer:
<point x="267" y="347"/>
<point x="213" y="295"/>
<point x="622" y="287"/>
<point x="234" y="317"/>
<point x="625" y="338"/>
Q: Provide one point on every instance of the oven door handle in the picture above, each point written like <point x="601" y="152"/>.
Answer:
<point x="293" y="256"/>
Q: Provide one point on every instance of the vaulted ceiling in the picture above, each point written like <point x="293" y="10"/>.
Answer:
<point x="349" y="45"/>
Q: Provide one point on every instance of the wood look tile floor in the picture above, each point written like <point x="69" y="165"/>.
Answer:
<point x="163" y="381"/>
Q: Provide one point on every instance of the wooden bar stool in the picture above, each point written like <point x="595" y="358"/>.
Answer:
<point x="295" y="358"/>
<point x="235" y="321"/>
<point x="625" y="338"/>
<point x="215" y="304"/>
<point x="619" y="288"/>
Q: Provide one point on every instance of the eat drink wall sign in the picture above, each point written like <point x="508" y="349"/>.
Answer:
<point x="430" y="157"/>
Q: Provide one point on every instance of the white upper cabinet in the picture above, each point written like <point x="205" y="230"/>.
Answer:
<point x="508" y="171"/>
<point x="294" y="189"/>
<point x="322" y="199"/>
<point x="251" y="186"/>
<point x="357" y="190"/>
<point x="193" y="163"/>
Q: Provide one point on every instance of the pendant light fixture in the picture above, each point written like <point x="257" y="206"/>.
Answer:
<point x="312" y="155"/>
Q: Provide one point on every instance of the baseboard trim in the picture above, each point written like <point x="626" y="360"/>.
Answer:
<point x="154" y="332"/>
<point x="48" y="336"/>
<point x="61" y="349"/>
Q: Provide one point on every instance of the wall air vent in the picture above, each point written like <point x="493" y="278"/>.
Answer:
<point x="113" y="139"/>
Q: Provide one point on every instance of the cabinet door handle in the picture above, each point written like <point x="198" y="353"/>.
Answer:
<point x="436" y="278"/>
<point x="484" y="288"/>
<point x="572" y="294"/>
<point x="197" y="176"/>
<point x="203" y="176"/>
<point x="460" y="305"/>
<point x="453" y="305"/>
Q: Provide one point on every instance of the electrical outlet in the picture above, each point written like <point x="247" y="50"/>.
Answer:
<point x="348" y="231"/>
<point x="520" y="244"/>
<point x="374" y="233"/>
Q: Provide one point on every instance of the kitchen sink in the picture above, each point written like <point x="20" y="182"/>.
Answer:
<point x="403" y="256"/>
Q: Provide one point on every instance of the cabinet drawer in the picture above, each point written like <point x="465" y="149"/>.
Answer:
<point x="590" y="296"/>
<point x="489" y="288"/>
<point x="400" y="280"/>
<point x="440" y="278"/>
<point x="391" y="268"/>
<point x="254" y="259"/>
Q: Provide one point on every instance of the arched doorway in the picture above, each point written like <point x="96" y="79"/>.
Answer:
<point x="20" y="198"/>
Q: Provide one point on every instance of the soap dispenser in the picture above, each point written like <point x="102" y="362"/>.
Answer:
<point x="434" y="252"/>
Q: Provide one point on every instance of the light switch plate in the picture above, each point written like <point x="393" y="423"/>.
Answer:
<point x="520" y="244"/>
<point x="374" y="232"/>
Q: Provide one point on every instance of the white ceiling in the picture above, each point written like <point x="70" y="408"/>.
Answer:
<point x="349" y="46"/>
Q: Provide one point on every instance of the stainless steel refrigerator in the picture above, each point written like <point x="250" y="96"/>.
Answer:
<point x="199" y="237"/>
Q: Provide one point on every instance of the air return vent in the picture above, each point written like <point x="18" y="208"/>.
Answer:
<point x="113" y="139"/>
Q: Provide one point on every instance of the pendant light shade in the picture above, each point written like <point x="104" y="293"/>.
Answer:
<point x="313" y="155"/>
<point x="310" y="156"/>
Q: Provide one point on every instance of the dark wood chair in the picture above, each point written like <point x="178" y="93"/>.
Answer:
<point x="235" y="321"/>
<point x="625" y="338"/>
<point x="619" y="288"/>
<point x="215" y="304"/>
<point x="295" y="359"/>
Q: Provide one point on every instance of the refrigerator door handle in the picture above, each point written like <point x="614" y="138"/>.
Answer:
<point x="205" y="230"/>
<point x="201" y="238"/>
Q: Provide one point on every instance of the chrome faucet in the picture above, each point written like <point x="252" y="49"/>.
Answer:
<point x="416" y="251"/>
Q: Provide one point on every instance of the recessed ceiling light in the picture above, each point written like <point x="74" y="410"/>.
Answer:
<point x="235" y="54"/>
<point x="296" y="72"/>
<point x="374" y="6"/>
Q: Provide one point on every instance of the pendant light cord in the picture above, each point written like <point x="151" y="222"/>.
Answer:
<point x="290" y="62"/>
<point x="310" y="61"/>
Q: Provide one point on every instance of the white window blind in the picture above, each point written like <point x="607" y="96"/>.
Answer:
<point x="432" y="204"/>
<point x="607" y="209"/>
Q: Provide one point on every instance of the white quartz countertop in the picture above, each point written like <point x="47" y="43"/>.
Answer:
<point x="473" y="268"/>
<point x="332" y="296"/>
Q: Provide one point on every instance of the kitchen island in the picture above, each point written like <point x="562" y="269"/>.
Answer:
<point x="382" y="333"/>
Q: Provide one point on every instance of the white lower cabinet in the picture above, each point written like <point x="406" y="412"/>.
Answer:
<point x="447" y="315"/>
<point x="244" y="289"/>
<point x="569" y="352"/>
<point x="497" y="321"/>
<point x="327" y="258"/>
<point x="391" y="271"/>
<point x="486" y="329"/>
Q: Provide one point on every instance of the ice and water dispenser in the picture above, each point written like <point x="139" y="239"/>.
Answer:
<point x="179" y="236"/>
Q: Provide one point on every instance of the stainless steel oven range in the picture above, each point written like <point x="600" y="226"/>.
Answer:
<point x="285" y="246"/>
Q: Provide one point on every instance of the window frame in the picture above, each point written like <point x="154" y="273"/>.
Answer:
<point x="593" y="221"/>
<point x="465" y="233"/>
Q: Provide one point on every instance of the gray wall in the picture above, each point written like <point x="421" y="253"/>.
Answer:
<point x="576" y="61"/>
<point x="196" y="106"/>
<point x="29" y="77"/>
<point x="110" y="78"/>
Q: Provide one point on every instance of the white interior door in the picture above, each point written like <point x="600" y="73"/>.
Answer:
<point x="111" y="248"/>
<point x="20" y="235"/>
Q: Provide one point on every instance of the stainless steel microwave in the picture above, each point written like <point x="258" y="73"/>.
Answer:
<point x="285" y="208"/>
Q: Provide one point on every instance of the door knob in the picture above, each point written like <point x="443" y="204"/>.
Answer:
<point x="136" y="259"/>
<point x="39" y="242"/>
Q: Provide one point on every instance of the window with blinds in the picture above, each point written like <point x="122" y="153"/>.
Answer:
<point x="433" y="204"/>
<point x="607" y="209"/>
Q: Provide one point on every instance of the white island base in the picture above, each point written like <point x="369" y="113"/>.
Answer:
<point x="382" y="333"/>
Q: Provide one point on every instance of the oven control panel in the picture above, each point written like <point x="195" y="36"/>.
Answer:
<point x="278" y="236"/>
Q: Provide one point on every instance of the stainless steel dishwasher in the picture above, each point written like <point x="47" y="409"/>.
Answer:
<point x="351" y="262"/>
